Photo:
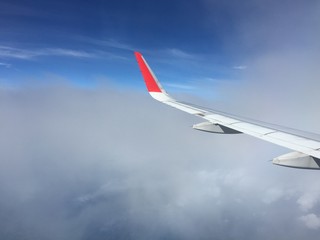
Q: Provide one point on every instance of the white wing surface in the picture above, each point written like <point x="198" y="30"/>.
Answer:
<point x="306" y="152"/>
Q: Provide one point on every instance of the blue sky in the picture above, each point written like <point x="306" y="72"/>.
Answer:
<point x="187" y="43"/>
<point x="85" y="42"/>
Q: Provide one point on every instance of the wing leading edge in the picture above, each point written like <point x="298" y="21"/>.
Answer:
<point x="306" y="150"/>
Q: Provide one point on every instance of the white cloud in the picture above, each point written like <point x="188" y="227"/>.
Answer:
<point x="308" y="200"/>
<point x="28" y="54"/>
<point x="272" y="194"/>
<point x="240" y="67"/>
<point x="10" y="52"/>
<point x="154" y="170"/>
<point x="108" y="43"/>
<point x="66" y="52"/>
<point x="7" y="65"/>
<point x="180" y="86"/>
<point x="112" y="187"/>
<point x="311" y="220"/>
<point x="179" y="53"/>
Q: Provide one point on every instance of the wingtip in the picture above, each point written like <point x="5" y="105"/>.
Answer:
<point x="148" y="76"/>
<point x="137" y="54"/>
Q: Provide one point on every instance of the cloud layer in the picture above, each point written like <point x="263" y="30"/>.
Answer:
<point x="97" y="164"/>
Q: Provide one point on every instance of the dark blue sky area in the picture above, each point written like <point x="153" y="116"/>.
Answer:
<point x="145" y="23"/>
<point x="185" y="41"/>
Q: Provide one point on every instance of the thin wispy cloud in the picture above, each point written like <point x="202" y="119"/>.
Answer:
<point x="6" y="65"/>
<point x="67" y="53"/>
<point x="179" y="86"/>
<point x="112" y="43"/>
<point x="10" y="52"/>
<point x="115" y="44"/>
<point x="213" y="80"/>
<point x="240" y="67"/>
<point x="179" y="53"/>
<point x="7" y="52"/>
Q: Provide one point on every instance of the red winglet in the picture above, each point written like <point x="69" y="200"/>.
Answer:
<point x="148" y="76"/>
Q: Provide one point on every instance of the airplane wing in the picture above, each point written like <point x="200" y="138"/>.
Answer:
<point x="306" y="150"/>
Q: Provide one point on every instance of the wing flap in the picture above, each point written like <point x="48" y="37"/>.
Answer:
<point x="214" y="128"/>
